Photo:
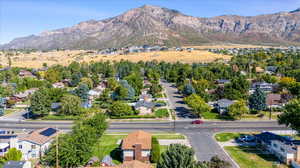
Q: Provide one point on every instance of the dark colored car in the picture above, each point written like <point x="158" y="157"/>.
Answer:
<point x="197" y="122"/>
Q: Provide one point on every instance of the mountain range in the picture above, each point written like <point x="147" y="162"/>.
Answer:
<point x="153" y="25"/>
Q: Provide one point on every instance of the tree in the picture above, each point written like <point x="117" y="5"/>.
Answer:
<point x="131" y="91"/>
<point x="70" y="105"/>
<point x="155" y="151"/>
<point x="135" y="81"/>
<point x="257" y="101"/>
<point x="177" y="156"/>
<point x="82" y="92"/>
<point x="112" y="84"/>
<point x="188" y="89"/>
<point x="76" y="148"/>
<point x="121" y="93"/>
<point x="13" y="154"/>
<point x="197" y="104"/>
<point x="291" y="115"/>
<point x="87" y="81"/>
<point x="155" y="89"/>
<point x="237" y="88"/>
<point x="237" y="109"/>
<point x="286" y="82"/>
<point x="216" y="162"/>
<point x="120" y="109"/>
<point x="75" y="79"/>
<point x="40" y="103"/>
<point x="52" y="75"/>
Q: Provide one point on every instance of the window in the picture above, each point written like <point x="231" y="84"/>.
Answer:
<point x="33" y="146"/>
<point x="20" y="146"/>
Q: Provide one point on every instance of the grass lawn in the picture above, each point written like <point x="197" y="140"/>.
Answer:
<point x="107" y="145"/>
<point x="162" y="113"/>
<point x="248" y="157"/>
<point x="226" y="136"/>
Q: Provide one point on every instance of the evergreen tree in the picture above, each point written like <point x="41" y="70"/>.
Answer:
<point x="188" y="89"/>
<point x="257" y="101"/>
<point x="82" y="92"/>
<point x="177" y="156"/>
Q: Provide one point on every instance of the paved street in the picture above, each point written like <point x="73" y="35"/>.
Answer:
<point x="15" y="116"/>
<point x="175" y="101"/>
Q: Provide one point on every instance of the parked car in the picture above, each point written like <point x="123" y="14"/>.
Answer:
<point x="246" y="138"/>
<point x="197" y="122"/>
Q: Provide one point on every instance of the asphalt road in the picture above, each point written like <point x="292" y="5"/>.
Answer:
<point x="200" y="136"/>
<point x="176" y="102"/>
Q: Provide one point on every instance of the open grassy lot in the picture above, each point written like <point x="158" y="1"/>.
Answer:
<point x="249" y="157"/>
<point x="107" y="144"/>
<point x="36" y="59"/>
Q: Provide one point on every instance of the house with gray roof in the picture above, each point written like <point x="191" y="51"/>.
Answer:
<point x="222" y="105"/>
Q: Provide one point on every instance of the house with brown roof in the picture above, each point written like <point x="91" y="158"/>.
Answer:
<point x="137" y="146"/>
<point x="37" y="142"/>
<point x="274" y="100"/>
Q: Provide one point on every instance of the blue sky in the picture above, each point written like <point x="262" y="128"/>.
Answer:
<point x="25" y="17"/>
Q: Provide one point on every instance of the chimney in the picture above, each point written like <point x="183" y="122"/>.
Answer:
<point x="138" y="152"/>
<point x="298" y="154"/>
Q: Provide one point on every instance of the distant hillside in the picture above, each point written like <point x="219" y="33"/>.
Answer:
<point x="154" y="25"/>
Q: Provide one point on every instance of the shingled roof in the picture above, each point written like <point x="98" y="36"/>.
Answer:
<point x="137" y="137"/>
<point x="41" y="136"/>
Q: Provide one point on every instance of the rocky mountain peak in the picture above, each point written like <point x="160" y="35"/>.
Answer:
<point x="154" y="25"/>
<point x="295" y="11"/>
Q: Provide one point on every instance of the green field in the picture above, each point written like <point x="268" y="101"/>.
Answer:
<point x="250" y="157"/>
<point x="226" y="136"/>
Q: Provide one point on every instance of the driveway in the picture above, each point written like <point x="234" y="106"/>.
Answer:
<point x="15" y="116"/>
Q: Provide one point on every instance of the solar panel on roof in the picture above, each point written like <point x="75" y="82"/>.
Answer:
<point x="48" y="132"/>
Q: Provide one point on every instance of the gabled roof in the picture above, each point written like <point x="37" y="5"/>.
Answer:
<point x="41" y="136"/>
<point x="273" y="99"/>
<point x="144" y="104"/>
<point x="137" y="137"/>
<point x="224" y="103"/>
<point x="267" y="137"/>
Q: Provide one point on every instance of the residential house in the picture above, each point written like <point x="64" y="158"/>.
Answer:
<point x="137" y="146"/>
<point x="36" y="142"/>
<point x="24" y="95"/>
<point x="284" y="148"/>
<point x="25" y="74"/>
<point x="274" y="101"/>
<point x="58" y="85"/>
<point x="259" y="70"/>
<point x="222" y="105"/>
<point x="271" y="69"/>
<point x="222" y="81"/>
<point x="8" y="139"/>
<point x="17" y="164"/>
<point x="265" y="87"/>
<point x="144" y="107"/>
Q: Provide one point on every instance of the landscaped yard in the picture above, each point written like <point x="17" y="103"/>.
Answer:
<point x="226" y="136"/>
<point x="107" y="145"/>
<point x="162" y="113"/>
<point x="250" y="157"/>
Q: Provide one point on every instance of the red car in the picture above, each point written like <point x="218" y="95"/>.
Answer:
<point x="197" y="122"/>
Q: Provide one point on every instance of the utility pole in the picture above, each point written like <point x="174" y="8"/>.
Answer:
<point x="57" y="162"/>
<point x="270" y="114"/>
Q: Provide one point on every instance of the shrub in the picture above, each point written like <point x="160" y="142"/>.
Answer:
<point x="155" y="151"/>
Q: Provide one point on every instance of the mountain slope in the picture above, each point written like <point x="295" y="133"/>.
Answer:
<point x="161" y="26"/>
